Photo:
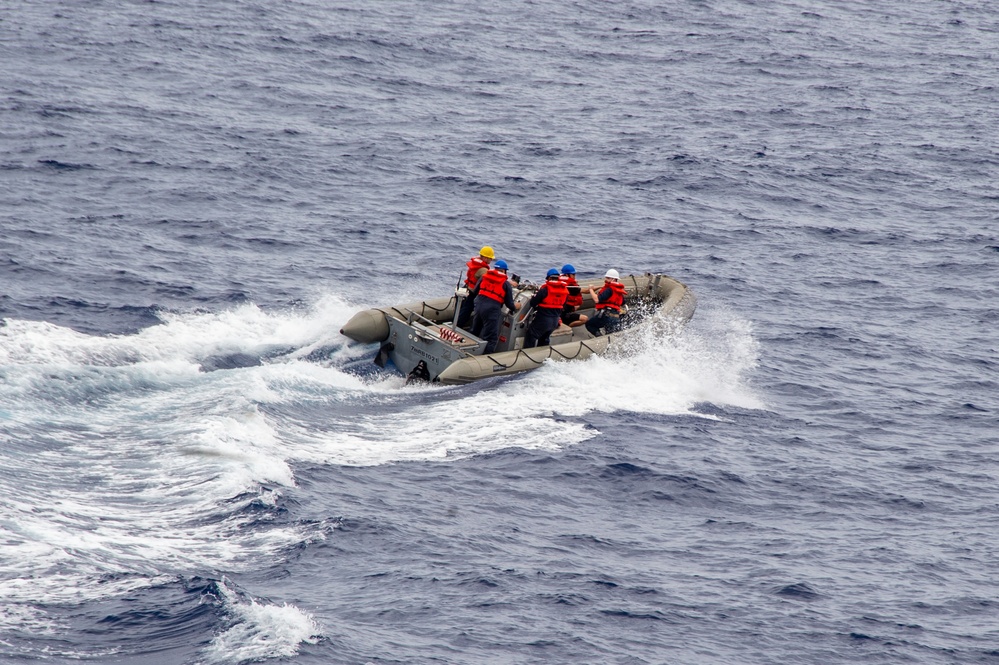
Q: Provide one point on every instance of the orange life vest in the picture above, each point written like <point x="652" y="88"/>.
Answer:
<point x="616" y="300"/>
<point x="573" y="301"/>
<point x="475" y="264"/>
<point x="491" y="285"/>
<point x="557" y="293"/>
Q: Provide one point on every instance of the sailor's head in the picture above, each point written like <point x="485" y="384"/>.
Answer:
<point x="552" y="274"/>
<point x="568" y="269"/>
<point x="611" y="276"/>
<point x="500" y="265"/>
<point x="487" y="253"/>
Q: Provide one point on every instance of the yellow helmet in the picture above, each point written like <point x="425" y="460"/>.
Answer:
<point x="487" y="252"/>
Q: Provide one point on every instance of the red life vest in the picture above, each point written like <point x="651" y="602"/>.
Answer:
<point x="474" y="265"/>
<point x="557" y="293"/>
<point x="491" y="285"/>
<point x="574" y="301"/>
<point x="616" y="300"/>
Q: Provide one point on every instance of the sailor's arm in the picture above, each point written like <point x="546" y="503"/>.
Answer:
<point x="508" y="299"/>
<point x="604" y="295"/>
<point x="540" y="296"/>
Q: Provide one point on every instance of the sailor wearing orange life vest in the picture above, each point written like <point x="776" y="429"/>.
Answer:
<point x="492" y="292"/>
<point x="476" y="267"/>
<point x="609" y="302"/>
<point x="570" y="316"/>
<point x="548" y="303"/>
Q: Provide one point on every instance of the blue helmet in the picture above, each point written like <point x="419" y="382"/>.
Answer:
<point x="500" y="265"/>
<point x="567" y="269"/>
<point x="552" y="272"/>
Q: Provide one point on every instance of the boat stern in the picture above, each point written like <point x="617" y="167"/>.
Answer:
<point x="422" y="350"/>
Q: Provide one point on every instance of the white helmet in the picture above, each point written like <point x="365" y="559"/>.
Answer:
<point x="612" y="274"/>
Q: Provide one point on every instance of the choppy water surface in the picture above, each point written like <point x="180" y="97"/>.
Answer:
<point x="197" y="467"/>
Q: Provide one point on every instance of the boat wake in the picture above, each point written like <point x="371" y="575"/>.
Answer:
<point x="156" y="468"/>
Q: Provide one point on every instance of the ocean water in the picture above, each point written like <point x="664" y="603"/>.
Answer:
<point x="196" y="468"/>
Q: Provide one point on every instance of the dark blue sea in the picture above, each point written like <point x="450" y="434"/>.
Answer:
<point x="196" y="468"/>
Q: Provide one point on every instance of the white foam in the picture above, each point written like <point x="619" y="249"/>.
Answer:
<point x="141" y="463"/>
<point x="659" y="371"/>
<point x="259" y="631"/>
<point x="668" y="371"/>
<point x="182" y="336"/>
<point x="215" y="416"/>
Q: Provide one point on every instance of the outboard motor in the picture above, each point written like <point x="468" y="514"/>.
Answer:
<point x="420" y="373"/>
<point x="515" y="323"/>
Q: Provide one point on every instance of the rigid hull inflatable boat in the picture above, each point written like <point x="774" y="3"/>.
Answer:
<point x="423" y="342"/>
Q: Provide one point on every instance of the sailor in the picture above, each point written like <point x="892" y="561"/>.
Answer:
<point x="476" y="267"/>
<point x="609" y="302"/>
<point x="548" y="303"/>
<point x="493" y="291"/>
<point x="570" y="316"/>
